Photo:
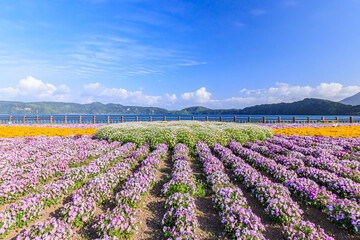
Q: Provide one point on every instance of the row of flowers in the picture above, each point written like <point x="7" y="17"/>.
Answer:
<point x="344" y="212"/>
<point x="239" y="220"/>
<point x="341" y="148"/>
<point x="343" y="187"/>
<point x="180" y="222"/>
<point x="282" y="146"/>
<point x="345" y="149"/>
<point x="324" y="162"/>
<point x="121" y="222"/>
<point x="82" y="208"/>
<point x="45" y="162"/>
<point x="22" y="212"/>
<point x="275" y="197"/>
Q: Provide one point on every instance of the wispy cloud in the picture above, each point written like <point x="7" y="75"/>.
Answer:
<point x="239" y="24"/>
<point x="258" y="12"/>
<point x="290" y="3"/>
<point x="128" y="56"/>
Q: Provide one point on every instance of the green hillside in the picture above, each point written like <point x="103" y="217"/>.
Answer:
<point x="307" y="106"/>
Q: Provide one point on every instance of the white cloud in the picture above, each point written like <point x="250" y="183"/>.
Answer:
<point x="170" y="98"/>
<point x="284" y="92"/>
<point x="281" y="92"/>
<point x="97" y="92"/>
<point x="32" y="89"/>
<point x="199" y="96"/>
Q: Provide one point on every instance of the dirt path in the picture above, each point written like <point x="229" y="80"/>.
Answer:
<point x="317" y="217"/>
<point x="152" y="207"/>
<point x="210" y="226"/>
<point x="53" y="211"/>
<point x="273" y="230"/>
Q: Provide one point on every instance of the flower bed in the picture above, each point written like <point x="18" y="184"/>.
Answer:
<point x="18" y="131"/>
<point x="186" y="132"/>
<point x="22" y="212"/>
<point x="121" y="222"/>
<point x="346" y="131"/>
<point x="275" y="197"/>
<point x="236" y="215"/>
<point x="179" y="222"/>
<point x="342" y="211"/>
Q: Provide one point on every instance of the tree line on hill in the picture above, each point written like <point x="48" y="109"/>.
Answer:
<point x="308" y="106"/>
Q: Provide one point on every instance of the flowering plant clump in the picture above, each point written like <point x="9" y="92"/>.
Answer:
<point x="83" y="207"/>
<point x="275" y="197"/>
<point x="121" y="222"/>
<point x="79" y="210"/>
<point x="186" y="132"/>
<point x="342" y="211"/>
<point x="328" y="173"/>
<point x="118" y="223"/>
<point x="30" y="162"/>
<point x="21" y="212"/>
<point x="53" y="229"/>
<point x="179" y="222"/>
<point x="182" y="179"/>
<point x="140" y="182"/>
<point x="237" y="209"/>
<point x="305" y="230"/>
<point x="239" y="220"/>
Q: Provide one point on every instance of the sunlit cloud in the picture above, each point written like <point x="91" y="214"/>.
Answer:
<point x="32" y="89"/>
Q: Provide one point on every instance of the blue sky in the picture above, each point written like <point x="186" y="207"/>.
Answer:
<point x="176" y="53"/>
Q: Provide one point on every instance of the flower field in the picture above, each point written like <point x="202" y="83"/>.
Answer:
<point x="345" y="131"/>
<point x="179" y="180"/>
<point x="32" y="131"/>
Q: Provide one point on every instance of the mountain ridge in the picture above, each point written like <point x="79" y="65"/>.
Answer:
<point x="353" y="100"/>
<point x="308" y="106"/>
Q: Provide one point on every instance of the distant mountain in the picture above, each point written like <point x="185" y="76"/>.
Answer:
<point x="308" y="106"/>
<point x="192" y="111"/>
<point x="353" y="100"/>
<point x="58" y="108"/>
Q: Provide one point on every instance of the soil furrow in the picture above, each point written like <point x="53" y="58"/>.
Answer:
<point x="210" y="226"/>
<point x="152" y="207"/>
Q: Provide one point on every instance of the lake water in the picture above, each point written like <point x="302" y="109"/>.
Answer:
<point x="88" y="119"/>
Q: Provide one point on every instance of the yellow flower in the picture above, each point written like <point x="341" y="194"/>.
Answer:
<point x="13" y="131"/>
<point x="344" y="131"/>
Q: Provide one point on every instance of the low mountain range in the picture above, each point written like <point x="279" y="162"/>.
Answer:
<point x="353" y="100"/>
<point x="308" y="106"/>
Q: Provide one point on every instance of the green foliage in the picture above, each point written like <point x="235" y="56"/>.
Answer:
<point x="177" y="188"/>
<point x="187" y="132"/>
<point x="200" y="189"/>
